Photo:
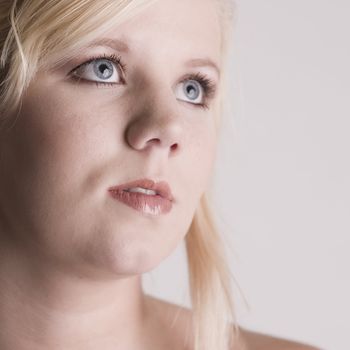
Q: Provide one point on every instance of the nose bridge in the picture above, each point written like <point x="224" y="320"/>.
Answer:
<point x="156" y="122"/>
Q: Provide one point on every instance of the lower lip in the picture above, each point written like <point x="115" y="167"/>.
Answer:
<point x="147" y="204"/>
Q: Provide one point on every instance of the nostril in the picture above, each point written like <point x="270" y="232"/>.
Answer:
<point x="154" y="141"/>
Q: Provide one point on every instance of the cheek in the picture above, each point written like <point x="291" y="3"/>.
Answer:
<point x="60" y="136"/>
<point x="192" y="173"/>
<point x="45" y="157"/>
<point x="203" y="157"/>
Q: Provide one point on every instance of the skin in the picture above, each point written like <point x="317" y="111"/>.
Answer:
<point x="71" y="257"/>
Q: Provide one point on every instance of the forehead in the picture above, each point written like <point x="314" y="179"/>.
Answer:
<point x="173" y="28"/>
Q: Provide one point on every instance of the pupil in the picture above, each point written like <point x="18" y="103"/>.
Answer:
<point x="191" y="90"/>
<point x="104" y="70"/>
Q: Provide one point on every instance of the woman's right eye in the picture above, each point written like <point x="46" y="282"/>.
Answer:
<point x="105" y="70"/>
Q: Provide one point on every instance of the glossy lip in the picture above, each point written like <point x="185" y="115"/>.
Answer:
<point x="161" y="188"/>
<point x="153" y="205"/>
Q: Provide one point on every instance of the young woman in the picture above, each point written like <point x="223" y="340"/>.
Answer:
<point x="109" y="116"/>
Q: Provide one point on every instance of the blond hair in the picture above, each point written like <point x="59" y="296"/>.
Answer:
<point x="36" y="34"/>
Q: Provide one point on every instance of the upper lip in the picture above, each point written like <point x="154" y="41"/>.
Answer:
<point x="162" y="188"/>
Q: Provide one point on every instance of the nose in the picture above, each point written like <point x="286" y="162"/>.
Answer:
<point x="156" y="126"/>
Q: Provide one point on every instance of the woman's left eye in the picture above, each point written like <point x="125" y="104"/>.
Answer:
<point x="196" y="89"/>
<point x="191" y="91"/>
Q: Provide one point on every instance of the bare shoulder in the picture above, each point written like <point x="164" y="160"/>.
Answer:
<point x="175" y="321"/>
<point x="260" y="341"/>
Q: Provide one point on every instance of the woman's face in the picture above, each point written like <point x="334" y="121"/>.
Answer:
<point x="73" y="140"/>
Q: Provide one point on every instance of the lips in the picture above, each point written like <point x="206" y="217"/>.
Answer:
<point x="161" y="188"/>
<point x="149" y="205"/>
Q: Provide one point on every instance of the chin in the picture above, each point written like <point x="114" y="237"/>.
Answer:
<point x="123" y="260"/>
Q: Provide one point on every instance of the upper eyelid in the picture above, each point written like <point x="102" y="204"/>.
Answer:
<point x="116" y="61"/>
<point x="87" y="60"/>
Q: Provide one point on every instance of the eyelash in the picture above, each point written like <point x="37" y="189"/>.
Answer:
<point x="206" y="83"/>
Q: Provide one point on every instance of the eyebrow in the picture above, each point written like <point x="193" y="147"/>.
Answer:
<point x="203" y="62"/>
<point x="121" y="46"/>
<point x="114" y="44"/>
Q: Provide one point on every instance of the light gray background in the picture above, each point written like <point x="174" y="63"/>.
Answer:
<point x="282" y="181"/>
